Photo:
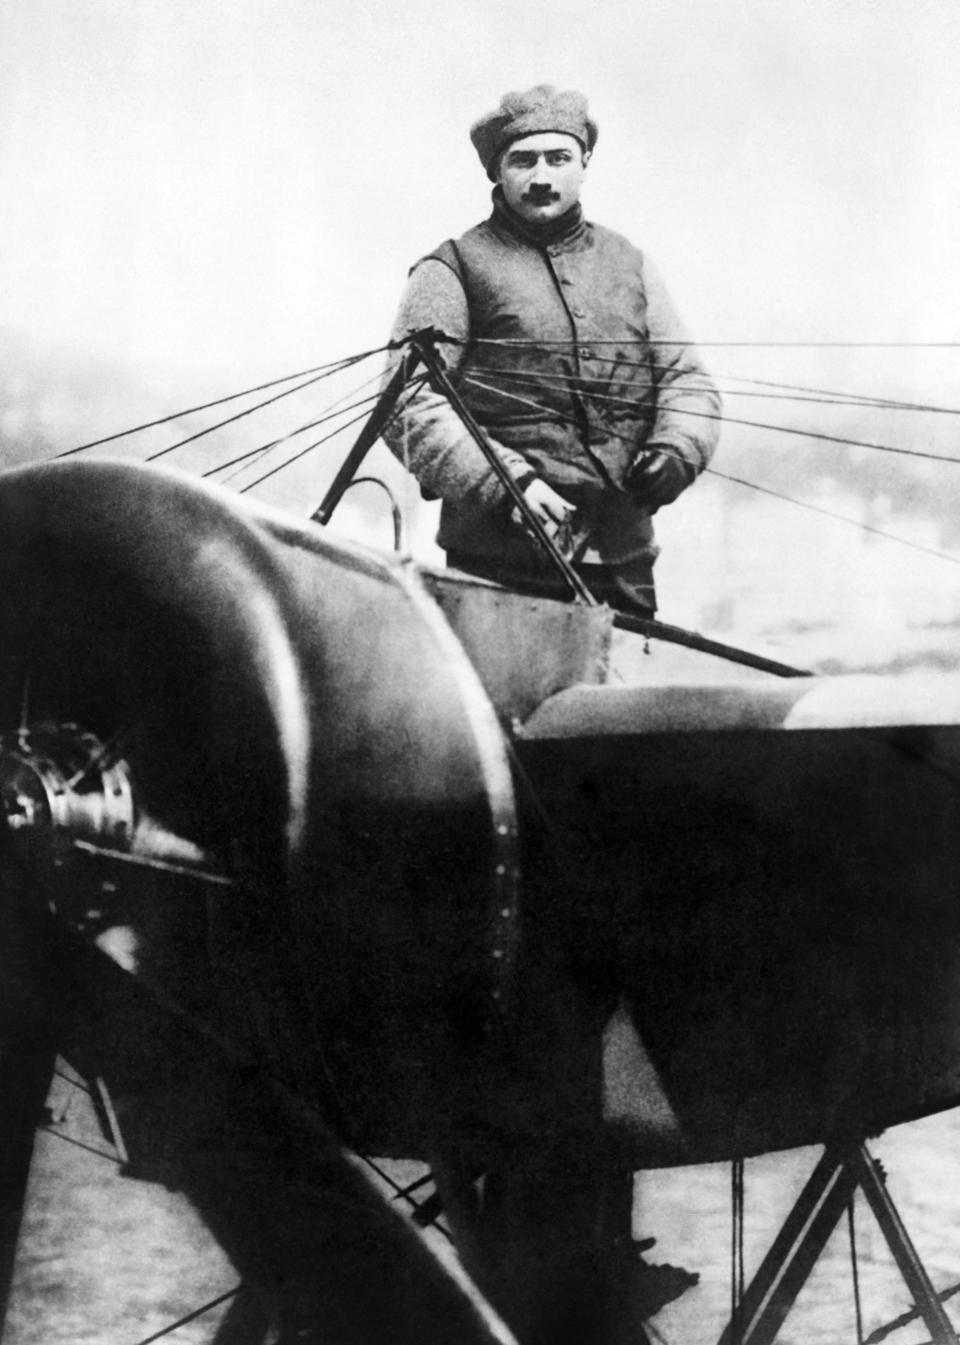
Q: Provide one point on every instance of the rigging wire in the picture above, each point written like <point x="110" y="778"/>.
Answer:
<point x="626" y="402"/>
<point x="310" y="447"/>
<point x="191" y="1316"/>
<point x="838" y="518"/>
<point x="334" y="366"/>
<point x="854" y="399"/>
<point x="802" y="504"/>
<point x="321" y="369"/>
<point x="558" y="415"/>
<point x="69" y="1078"/>
<point x="330" y="412"/>
<point x="787" y="392"/>
<point x="546" y="343"/>
<point x="870" y="400"/>
<point x="827" y="438"/>
<point x="842" y="398"/>
<point x="428" y="1215"/>
<point x="905" y="1318"/>
<point x="400" y="1192"/>
<point x="249" y="411"/>
<point x="80" y="1144"/>
<point x="260" y="452"/>
<point x="519" y="379"/>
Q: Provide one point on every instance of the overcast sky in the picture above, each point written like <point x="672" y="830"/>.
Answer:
<point x="242" y="184"/>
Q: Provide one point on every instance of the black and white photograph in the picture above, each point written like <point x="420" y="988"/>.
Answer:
<point x="480" y="672"/>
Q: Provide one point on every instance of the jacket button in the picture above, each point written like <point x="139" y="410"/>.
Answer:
<point x="578" y="313"/>
<point x="585" y="354"/>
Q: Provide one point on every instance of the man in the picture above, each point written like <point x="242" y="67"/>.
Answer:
<point x="567" y="350"/>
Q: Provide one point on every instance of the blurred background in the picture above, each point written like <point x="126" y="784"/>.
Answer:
<point x="204" y="196"/>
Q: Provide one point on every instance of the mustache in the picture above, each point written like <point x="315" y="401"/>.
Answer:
<point x="541" y="194"/>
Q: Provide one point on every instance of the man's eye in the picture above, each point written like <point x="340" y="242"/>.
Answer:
<point x="559" y="159"/>
<point x="522" y="161"/>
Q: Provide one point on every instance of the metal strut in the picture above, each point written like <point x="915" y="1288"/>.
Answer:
<point x="785" y="1269"/>
<point x="422" y="350"/>
<point x="424" y="342"/>
<point x="368" y="436"/>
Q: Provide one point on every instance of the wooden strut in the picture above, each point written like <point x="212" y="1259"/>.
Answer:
<point x="785" y="1269"/>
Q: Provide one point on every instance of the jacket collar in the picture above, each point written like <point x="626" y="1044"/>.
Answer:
<point x="569" y="227"/>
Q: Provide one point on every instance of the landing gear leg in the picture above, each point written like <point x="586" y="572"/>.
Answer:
<point x="784" y="1271"/>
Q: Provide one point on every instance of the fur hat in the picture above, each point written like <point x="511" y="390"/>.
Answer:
<point x="542" y="108"/>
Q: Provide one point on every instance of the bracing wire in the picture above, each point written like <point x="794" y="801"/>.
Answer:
<point x="81" y="1144"/>
<point x="69" y="1078"/>
<point x="191" y="1316"/>
<point x="792" y="499"/>
<point x="249" y="411"/>
<point x="625" y="403"/>
<point x="330" y="413"/>
<point x="400" y="1191"/>
<point x="837" y="518"/>
<point x="864" y="399"/>
<point x="262" y="450"/>
<point x="117" y="1162"/>
<point x="786" y="392"/>
<point x="547" y="343"/>
<point x="788" y="499"/>
<point x="589" y="387"/>
<point x="405" y="1193"/>
<point x="310" y="447"/>
<point x="905" y="1318"/>
<point x="855" y="399"/>
<point x="321" y="369"/>
<point x="843" y="440"/>
<point x="288" y="462"/>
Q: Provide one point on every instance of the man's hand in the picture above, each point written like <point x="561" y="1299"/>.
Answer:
<point x="658" y="477"/>
<point x="552" y="510"/>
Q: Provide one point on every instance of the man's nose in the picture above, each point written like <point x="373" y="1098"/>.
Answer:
<point x="541" y="174"/>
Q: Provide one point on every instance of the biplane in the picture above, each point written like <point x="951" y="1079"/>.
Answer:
<point x="313" y="855"/>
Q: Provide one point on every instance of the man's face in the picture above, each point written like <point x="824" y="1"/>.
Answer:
<point x="541" y="175"/>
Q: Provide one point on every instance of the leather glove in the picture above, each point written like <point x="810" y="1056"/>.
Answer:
<point x="658" y="477"/>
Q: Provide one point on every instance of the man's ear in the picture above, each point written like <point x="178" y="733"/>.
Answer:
<point x="586" y="157"/>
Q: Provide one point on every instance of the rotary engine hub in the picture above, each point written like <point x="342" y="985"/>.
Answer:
<point x="60" y="785"/>
<point x="57" y="778"/>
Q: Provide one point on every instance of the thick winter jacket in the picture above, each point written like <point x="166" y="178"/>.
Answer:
<point x="568" y="351"/>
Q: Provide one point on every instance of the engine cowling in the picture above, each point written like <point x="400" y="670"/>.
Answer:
<point x="207" y="709"/>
